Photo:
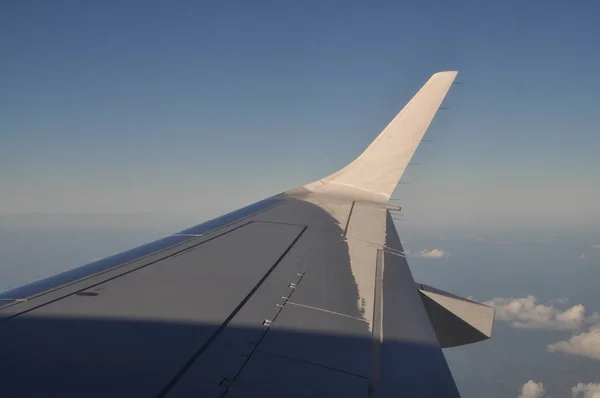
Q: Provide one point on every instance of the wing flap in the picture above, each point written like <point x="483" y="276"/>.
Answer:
<point x="456" y="320"/>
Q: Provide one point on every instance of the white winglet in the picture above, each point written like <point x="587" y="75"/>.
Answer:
<point x="376" y="172"/>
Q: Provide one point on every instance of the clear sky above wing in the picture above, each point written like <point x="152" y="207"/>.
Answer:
<point x="333" y="75"/>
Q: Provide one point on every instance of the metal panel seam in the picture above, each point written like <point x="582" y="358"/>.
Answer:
<point x="377" y="327"/>
<point x="208" y="342"/>
<point x="349" y="217"/>
<point x="262" y="337"/>
<point x="313" y="363"/>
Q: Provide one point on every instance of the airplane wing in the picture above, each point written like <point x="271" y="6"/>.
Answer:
<point x="305" y="294"/>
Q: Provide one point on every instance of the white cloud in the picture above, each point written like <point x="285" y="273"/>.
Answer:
<point x="531" y="389"/>
<point x="584" y="344"/>
<point x="479" y="240"/>
<point x="589" y="390"/>
<point x="434" y="253"/>
<point x="526" y="313"/>
<point x="595" y="246"/>
<point x="583" y="256"/>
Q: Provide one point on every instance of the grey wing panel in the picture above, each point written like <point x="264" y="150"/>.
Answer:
<point x="411" y="359"/>
<point x="325" y="347"/>
<point x="300" y="299"/>
<point x="43" y="286"/>
<point x="356" y="311"/>
<point x="322" y="340"/>
<point x="132" y="335"/>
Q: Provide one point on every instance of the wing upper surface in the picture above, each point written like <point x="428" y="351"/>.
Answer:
<point x="307" y="293"/>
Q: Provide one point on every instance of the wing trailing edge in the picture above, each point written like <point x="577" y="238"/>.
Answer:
<point x="376" y="172"/>
<point x="456" y="320"/>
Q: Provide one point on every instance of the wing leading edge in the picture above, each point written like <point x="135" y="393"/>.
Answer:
<point x="311" y="285"/>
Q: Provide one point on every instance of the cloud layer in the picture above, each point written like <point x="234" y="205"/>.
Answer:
<point x="585" y="344"/>
<point x="434" y="253"/>
<point x="526" y="313"/>
<point x="531" y="389"/>
<point x="589" y="390"/>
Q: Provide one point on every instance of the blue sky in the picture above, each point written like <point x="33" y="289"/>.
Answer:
<point x="200" y="107"/>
